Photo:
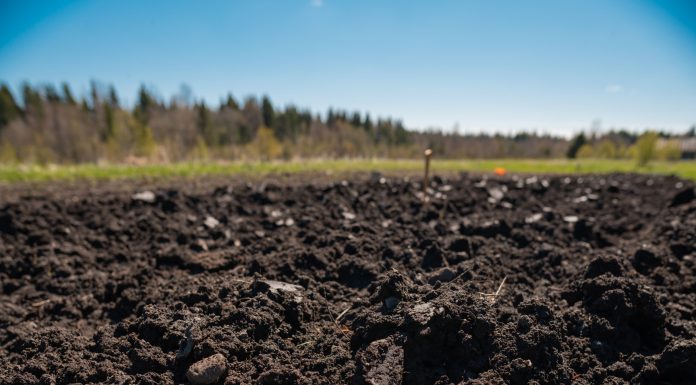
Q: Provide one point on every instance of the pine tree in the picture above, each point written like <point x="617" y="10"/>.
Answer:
<point x="146" y="102"/>
<point x="110" y="121"/>
<point x="94" y="94"/>
<point x="267" y="112"/>
<point x="578" y="141"/>
<point x="51" y="94"/>
<point x="68" y="95"/>
<point x="9" y="110"/>
<point x="330" y="117"/>
<point x="33" y="103"/>
<point x="368" y="124"/>
<point x="204" y="123"/>
<point x="400" y="134"/>
<point x="356" y="120"/>
<point x="231" y="103"/>
<point x="113" y="97"/>
<point x="144" y="138"/>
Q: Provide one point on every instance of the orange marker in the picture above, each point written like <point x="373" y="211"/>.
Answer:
<point x="499" y="171"/>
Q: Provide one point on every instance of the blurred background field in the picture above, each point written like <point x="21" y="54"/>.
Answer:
<point x="37" y="173"/>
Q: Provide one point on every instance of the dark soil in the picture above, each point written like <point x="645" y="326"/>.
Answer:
<point x="543" y="280"/>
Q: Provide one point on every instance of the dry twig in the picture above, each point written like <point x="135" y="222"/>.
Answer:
<point x="493" y="296"/>
<point x="342" y="314"/>
<point x="335" y="320"/>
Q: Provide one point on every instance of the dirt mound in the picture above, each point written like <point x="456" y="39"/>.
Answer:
<point x="546" y="280"/>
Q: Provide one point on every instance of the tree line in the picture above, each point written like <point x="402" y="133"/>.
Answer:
<point x="50" y="124"/>
<point x="622" y="144"/>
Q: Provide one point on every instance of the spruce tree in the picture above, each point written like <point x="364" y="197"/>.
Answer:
<point x="267" y="112"/>
<point x="113" y="97"/>
<point x="68" y="95"/>
<point x="9" y="110"/>
<point x="400" y="134"/>
<point x="110" y="120"/>
<point x="146" y="102"/>
<point x="231" y="103"/>
<point x="368" y="124"/>
<point x="356" y="120"/>
<point x="205" y="125"/>
<point x="51" y="94"/>
<point x="33" y="103"/>
<point x="578" y="141"/>
<point x="330" y="117"/>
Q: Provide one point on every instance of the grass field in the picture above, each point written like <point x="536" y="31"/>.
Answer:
<point x="33" y="173"/>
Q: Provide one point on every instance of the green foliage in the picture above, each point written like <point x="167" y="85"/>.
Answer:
<point x="231" y="103"/>
<point x="330" y="118"/>
<point x="51" y="94"/>
<point x="244" y="135"/>
<point x="670" y="150"/>
<point x="68" y="95"/>
<point x="205" y="125"/>
<point x="383" y="134"/>
<point x="113" y="97"/>
<point x="401" y="136"/>
<point x="575" y="144"/>
<point x="585" y="152"/>
<point x="356" y="120"/>
<point x="201" y="149"/>
<point x="144" y="106"/>
<point x="110" y="122"/>
<point x="288" y="124"/>
<point x="368" y="123"/>
<point x="645" y="148"/>
<point x="7" y="153"/>
<point x="9" y="110"/>
<point x="267" y="112"/>
<point x="33" y="103"/>
<point x="606" y="149"/>
<point x="265" y="145"/>
<point x="546" y="152"/>
<point x="144" y="140"/>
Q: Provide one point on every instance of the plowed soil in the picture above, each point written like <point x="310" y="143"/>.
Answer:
<point x="541" y="280"/>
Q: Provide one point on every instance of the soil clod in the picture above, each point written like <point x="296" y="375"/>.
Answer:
<point x="208" y="370"/>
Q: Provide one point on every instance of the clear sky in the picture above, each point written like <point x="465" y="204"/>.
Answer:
<point x="493" y="65"/>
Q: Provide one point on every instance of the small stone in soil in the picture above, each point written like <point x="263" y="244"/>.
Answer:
<point x="421" y="313"/>
<point x="276" y="286"/>
<point x="208" y="370"/>
<point x="444" y="274"/>
<point x="211" y="222"/>
<point x="145" y="196"/>
<point x="534" y="218"/>
<point x="390" y="303"/>
<point x="496" y="193"/>
<point x="570" y="218"/>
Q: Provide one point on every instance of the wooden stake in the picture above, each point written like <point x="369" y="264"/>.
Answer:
<point x="428" y="153"/>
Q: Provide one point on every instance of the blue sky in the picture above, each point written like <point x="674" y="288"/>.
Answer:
<point x="548" y="65"/>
